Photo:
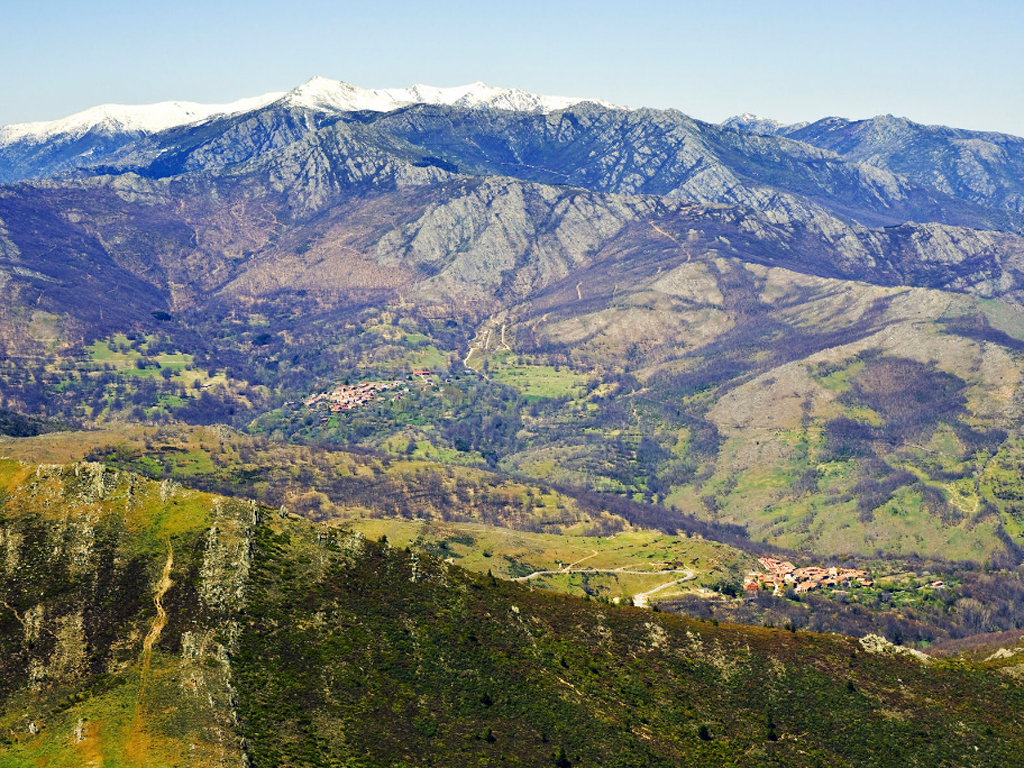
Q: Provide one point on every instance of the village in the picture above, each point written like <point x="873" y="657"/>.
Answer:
<point x="780" y="575"/>
<point x="348" y="397"/>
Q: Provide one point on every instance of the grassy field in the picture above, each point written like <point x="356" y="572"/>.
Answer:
<point x="535" y="382"/>
<point x="323" y="483"/>
<point x="612" y="567"/>
<point x="644" y="559"/>
<point x="118" y="352"/>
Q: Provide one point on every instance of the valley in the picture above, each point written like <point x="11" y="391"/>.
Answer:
<point x="322" y="415"/>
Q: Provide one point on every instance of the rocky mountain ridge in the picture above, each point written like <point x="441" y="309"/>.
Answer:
<point x="663" y="259"/>
<point x="813" y="167"/>
<point x="88" y="138"/>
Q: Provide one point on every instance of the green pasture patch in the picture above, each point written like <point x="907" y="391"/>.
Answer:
<point x="834" y="473"/>
<point x="428" y="357"/>
<point x="142" y="373"/>
<point x="426" y="450"/>
<point x="148" y="466"/>
<point x="105" y="719"/>
<point x="768" y="479"/>
<point x="864" y="414"/>
<point x="945" y="442"/>
<point x="537" y="382"/>
<point x="108" y="731"/>
<point x="905" y="526"/>
<point x="117" y="352"/>
<point x="1013" y="524"/>
<point x="963" y="495"/>
<point x="836" y="376"/>
<point x="190" y="463"/>
<point x="630" y="562"/>
<point x="385" y="331"/>
<point x="174" y="360"/>
<point x="616" y="587"/>
<point x="10" y="471"/>
<point x="681" y="447"/>
<point x="170" y="514"/>
<point x="1003" y="317"/>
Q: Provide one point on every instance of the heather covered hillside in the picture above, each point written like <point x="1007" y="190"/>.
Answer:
<point x="155" y="625"/>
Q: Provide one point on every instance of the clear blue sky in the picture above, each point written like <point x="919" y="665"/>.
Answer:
<point x="935" y="62"/>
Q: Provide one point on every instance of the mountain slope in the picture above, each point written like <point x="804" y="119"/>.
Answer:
<point x="593" y="144"/>
<point x="38" y="150"/>
<point x="149" y="624"/>
<point x="571" y="311"/>
<point x="983" y="167"/>
<point x="91" y="138"/>
<point x="666" y="153"/>
<point x="273" y="272"/>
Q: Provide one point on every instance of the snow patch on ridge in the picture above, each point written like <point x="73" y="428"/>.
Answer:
<point x="748" y="123"/>
<point x="122" y="118"/>
<point x="321" y="93"/>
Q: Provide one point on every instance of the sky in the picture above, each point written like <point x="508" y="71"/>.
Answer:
<point x="942" y="62"/>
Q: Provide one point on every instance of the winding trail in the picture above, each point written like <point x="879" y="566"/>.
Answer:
<point x="482" y="341"/>
<point x="594" y="553"/>
<point x="17" y="615"/>
<point x="671" y="237"/>
<point x="160" y="621"/>
<point x="624" y="569"/>
<point x="137" y="743"/>
<point x="642" y="599"/>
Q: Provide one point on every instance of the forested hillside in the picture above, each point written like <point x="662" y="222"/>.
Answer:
<point x="148" y="624"/>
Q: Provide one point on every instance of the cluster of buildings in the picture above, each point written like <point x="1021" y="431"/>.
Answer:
<point x="347" y="397"/>
<point x="780" y="575"/>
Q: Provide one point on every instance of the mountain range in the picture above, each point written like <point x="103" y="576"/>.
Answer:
<point x="617" y="353"/>
<point x="37" y="150"/>
<point x="700" y="287"/>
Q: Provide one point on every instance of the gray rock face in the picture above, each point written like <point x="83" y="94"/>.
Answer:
<point x="492" y="206"/>
<point x="983" y="168"/>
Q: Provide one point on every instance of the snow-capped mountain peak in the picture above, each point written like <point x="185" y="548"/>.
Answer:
<point x="748" y="123"/>
<point x="83" y="137"/>
<point x="321" y="93"/>
<point x="122" y="118"/>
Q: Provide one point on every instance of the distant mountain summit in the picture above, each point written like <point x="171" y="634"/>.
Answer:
<point x="90" y="138"/>
<point x="759" y="126"/>
<point x="318" y="93"/>
<point x="323" y="94"/>
<point x="127" y="119"/>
